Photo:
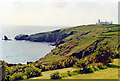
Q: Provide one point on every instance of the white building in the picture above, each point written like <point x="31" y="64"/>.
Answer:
<point x="104" y="23"/>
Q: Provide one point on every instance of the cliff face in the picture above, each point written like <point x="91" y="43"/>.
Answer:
<point x="22" y="37"/>
<point x="50" y="37"/>
<point x="54" y="36"/>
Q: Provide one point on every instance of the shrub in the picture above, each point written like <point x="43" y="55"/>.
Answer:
<point x="55" y="75"/>
<point x="38" y="65"/>
<point x="7" y="78"/>
<point x="8" y="71"/>
<point x="104" y="54"/>
<point x="16" y="76"/>
<point x="32" y="72"/>
<point x="89" y="70"/>
<point x="84" y="65"/>
<point x="96" y="68"/>
<point x="24" y="77"/>
<point x="69" y="73"/>
<point x="3" y="69"/>
<point x="21" y="72"/>
<point x="103" y="67"/>
<point x="69" y="62"/>
<point x="78" y="64"/>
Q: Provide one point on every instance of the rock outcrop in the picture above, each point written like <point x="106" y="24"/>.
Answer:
<point x="55" y="36"/>
<point x="6" y="38"/>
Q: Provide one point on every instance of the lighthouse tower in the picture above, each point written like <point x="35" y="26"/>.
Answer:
<point x="111" y="22"/>
<point x="99" y="22"/>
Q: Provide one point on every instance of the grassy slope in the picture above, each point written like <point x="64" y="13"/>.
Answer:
<point x="76" y="41"/>
<point x="46" y="74"/>
<point x="80" y="41"/>
<point x="83" y="39"/>
<point x="110" y="73"/>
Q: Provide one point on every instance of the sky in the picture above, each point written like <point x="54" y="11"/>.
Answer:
<point x="57" y="12"/>
<point x="119" y="13"/>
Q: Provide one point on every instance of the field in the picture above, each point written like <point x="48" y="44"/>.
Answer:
<point x="110" y="73"/>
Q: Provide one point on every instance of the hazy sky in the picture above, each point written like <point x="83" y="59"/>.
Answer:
<point x="57" y="12"/>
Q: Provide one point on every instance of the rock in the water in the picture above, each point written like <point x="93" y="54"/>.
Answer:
<point x="5" y="38"/>
<point x="22" y="37"/>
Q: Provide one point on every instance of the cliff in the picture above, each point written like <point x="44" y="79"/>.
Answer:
<point x="77" y="41"/>
<point x="84" y="42"/>
<point x="55" y="36"/>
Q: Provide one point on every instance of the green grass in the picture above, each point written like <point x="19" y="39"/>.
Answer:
<point x="80" y="41"/>
<point x="46" y="74"/>
<point x="108" y="33"/>
<point x="110" y="73"/>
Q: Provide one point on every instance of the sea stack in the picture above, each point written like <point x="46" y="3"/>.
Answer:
<point x="5" y="38"/>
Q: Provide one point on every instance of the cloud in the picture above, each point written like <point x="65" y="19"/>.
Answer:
<point x="59" y="3"/>
<point x="56" y="12"/>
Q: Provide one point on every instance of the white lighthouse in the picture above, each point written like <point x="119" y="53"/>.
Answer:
<point x="104" y="23"/>
<point x="99" y="22"/>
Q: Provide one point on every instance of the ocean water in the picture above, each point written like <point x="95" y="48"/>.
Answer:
<point x="24" y="51"/>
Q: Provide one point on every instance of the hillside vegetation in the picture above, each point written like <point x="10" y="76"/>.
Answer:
<point x="110" y="73"/>
<point x="84" y="41"/>
<point x="89" y="48"/>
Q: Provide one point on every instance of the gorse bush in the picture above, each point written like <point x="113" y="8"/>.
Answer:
<point x="24" y="77"/>
<point x="96" y="68"/>
<point x="92" y="69"/>
<point x="56" y="64"/>
<point x="103" y="67"/>
<point x="32" y="72"/>
<point x="104" y="55"/>
<point x="68" y="73"/>
<point x="16" y="76"/>
<point x="3" y="67"/>
<point x="55" y="75"/>
<point x="21" y="72"/>
<point x="89" y="70"/>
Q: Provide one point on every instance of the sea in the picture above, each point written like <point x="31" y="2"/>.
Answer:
<point x="15" y="52"/>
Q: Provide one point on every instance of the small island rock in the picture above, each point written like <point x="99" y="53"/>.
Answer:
<point x="5" y="38"/>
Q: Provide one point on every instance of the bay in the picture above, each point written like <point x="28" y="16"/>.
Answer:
<point x="24" y="51"/>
